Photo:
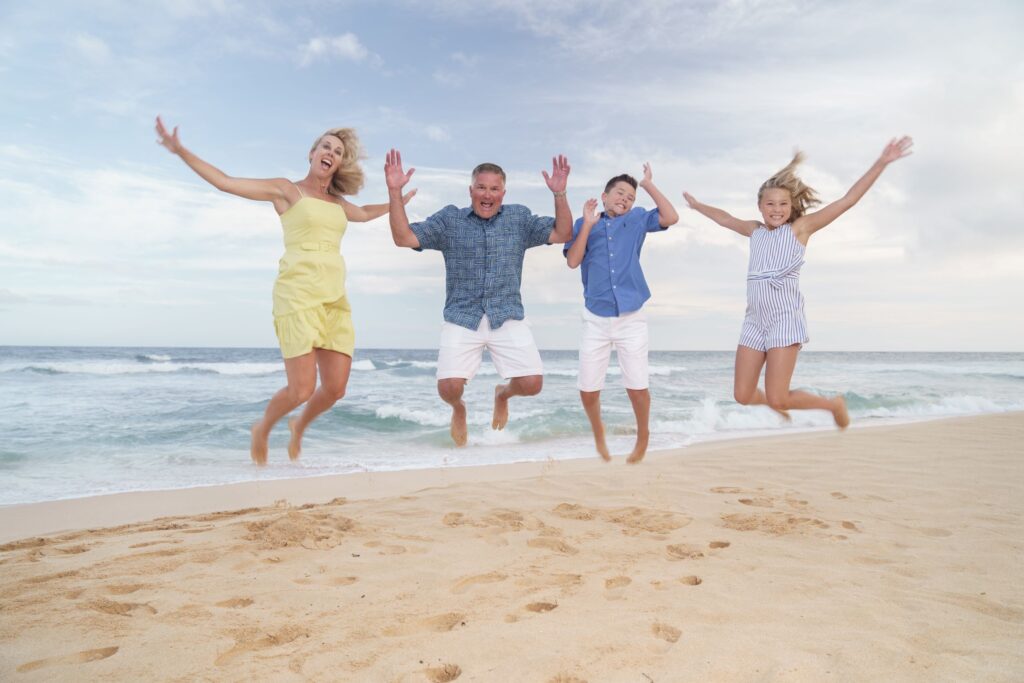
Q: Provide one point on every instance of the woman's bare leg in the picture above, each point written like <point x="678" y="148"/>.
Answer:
<point x="335" y="369"/>
<point x="301" y="373"/>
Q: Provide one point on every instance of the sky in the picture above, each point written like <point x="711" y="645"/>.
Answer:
<point x="107" y="239"/>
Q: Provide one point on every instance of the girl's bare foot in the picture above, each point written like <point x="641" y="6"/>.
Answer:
<point x="500" y="418"/>
<point x="784" y="414"/>
<point x="258" y="445"/>
<point x="639" y="450"/>
<point x="295" y="443"/>
<point x="839" y="412"/>
<point x="459" y="430"/>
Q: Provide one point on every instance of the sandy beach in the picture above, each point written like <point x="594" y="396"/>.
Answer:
<point x="892" y="553"/>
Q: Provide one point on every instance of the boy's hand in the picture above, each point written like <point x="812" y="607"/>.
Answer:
<point x="559" y="174"/>
<point x="590" y="213"/>
<point x="394" y="176"/>
<point x="691" y="202"/>
<point x="648" y="176"/>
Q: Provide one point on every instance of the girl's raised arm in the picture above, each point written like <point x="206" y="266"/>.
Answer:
<point x="723" y="218"/>
<point x="807" y="225"/>
<point x="268" y="190"/>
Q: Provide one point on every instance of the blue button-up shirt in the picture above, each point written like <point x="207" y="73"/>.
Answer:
<point x="613" y="282"/>
<point x="483" y="260"/>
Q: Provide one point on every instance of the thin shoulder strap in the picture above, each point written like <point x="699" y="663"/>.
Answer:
<point x="301" y="193"/>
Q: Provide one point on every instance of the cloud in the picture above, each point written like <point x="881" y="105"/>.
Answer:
<point x="345" y="47"/>
<point x="91" y="48"/>
<point x="437" y="134"/>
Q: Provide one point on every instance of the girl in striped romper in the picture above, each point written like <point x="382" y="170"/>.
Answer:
<point x="775" y="329"/>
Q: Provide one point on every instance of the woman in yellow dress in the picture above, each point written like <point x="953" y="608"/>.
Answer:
<point x="312" y="317"/>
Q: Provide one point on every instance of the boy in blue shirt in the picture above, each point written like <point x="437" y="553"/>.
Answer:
<point x="608" y="245"/>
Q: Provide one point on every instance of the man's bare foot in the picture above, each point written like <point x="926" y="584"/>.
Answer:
<point x="839" y="412"/>
<point x="500" y="418"/>
<point x="459" y="430"/>
<point x="258" y="446"/>
<point x="639" y="450"/>
<point x="295" y="443"/>
<point x="599" y="443"/>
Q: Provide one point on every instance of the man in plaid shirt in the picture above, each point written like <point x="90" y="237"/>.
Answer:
<point x="483" y="247"/>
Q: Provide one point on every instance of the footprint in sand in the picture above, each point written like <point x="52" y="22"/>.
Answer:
<point x="718" y="544"/>
<point x="235" y="602"/>
<point x="566" y="678"/>
<point x="344" y="580"/>
<point x="121" y="609"/>
<point x="758" y="502"/>
<point x="253" y="639"/>
<point x="444" y="673"/>
<point x="126" y="588"/>
<point x="839" y="496"/>
<point x="727" y="489"/>
<point x="385" y="549"/>
<point x="851" y="526"/>
<point x="617" y="582"/>
<point x="665" y="632"/>
<point x="77" y="658"/>
<point x="691" y="580"/>
<point x="462" y="585"/>
<point x="683" y="552"/>
<point x="552" y="544"/>
<point x="541" y="606"/>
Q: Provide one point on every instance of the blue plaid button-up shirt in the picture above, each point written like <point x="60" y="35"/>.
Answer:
<point x="483" y="260"/>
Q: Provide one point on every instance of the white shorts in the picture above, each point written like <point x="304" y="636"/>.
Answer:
<point x="512" y="349"/>
<point x="627" y="334"/>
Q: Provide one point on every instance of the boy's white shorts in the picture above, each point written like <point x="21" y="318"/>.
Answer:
<point x="512" y="349"/>
<point x="627" y="334"/>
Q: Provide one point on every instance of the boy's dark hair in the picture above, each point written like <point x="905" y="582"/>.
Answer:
<point x="624" y="178"/>
<point x="488" y="167"/>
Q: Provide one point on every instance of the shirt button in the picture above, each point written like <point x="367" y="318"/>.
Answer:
<point x="613" y="270"/>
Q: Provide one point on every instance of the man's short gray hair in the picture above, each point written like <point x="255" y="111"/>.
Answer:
<point x="488" y="167"/>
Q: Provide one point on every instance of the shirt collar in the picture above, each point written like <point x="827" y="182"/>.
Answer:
<point x="468" y="211"/>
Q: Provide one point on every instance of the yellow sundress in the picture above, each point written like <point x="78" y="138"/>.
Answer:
<point x="310" y="306"/>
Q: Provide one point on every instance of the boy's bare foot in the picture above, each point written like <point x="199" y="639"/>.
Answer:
<point x="839" y="412"/>
<point x="295" y="443"/>
<point x="459" y="430"/>
<point x="258" y="446"/>
<point x="500" y="418"/>
<point x="639" y="450"/>
<point x="599" y="443"/>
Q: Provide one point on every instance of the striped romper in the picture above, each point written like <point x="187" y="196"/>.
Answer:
<point x="775" y="307"/>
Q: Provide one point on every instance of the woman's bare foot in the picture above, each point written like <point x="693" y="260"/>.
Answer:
<point x="639" y="450"/>
<point x="295" y="443"/>
<point x="500" y="418"/>
<point x="839" y="412"/>
<point x="459" y="430"/>
<point x="258" y="445"/>
<point x="601" y="445"/>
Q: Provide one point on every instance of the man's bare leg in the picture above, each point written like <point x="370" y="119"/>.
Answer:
<point x="592" y="407"/>
<point x="450" y="390"/>
<point x="529" y="385"/>
<point x="641" y="400"/>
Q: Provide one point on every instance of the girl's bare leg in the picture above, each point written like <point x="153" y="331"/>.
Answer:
<point x="301" y="374"/>
<point x="641" y="400"/>
<point x="335" y="369"/>
<point x="777" y="376"/>
<point x="591" y="401"/>
<point x="748" y="371"/>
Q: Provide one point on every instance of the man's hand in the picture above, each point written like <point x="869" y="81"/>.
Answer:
<point x="559" y="174"/>
<point x="394" y="176"/>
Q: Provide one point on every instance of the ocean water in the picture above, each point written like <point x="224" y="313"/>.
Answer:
<point x="81" y="421"/>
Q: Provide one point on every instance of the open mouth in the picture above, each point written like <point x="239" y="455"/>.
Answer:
<point x="326" y="164"/>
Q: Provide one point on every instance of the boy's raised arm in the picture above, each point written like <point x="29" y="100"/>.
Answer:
<point x="667" y="214"/>
<point x="574" y="256"/>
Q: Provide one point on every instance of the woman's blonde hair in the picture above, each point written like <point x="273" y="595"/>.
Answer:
<point x="348" y="178"/>
<point x="802" y="196"/>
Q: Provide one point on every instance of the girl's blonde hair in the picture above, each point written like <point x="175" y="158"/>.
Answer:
<point x="348" y="178"/>
<point x="802" y="196"/>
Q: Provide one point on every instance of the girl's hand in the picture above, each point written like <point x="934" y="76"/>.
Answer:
<point x="897" y="149"/>
<point x="407" y="196"/>
<point x="690" y="201"/>
<point x="168" y="140"/>
<point x="590" y="214"/>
